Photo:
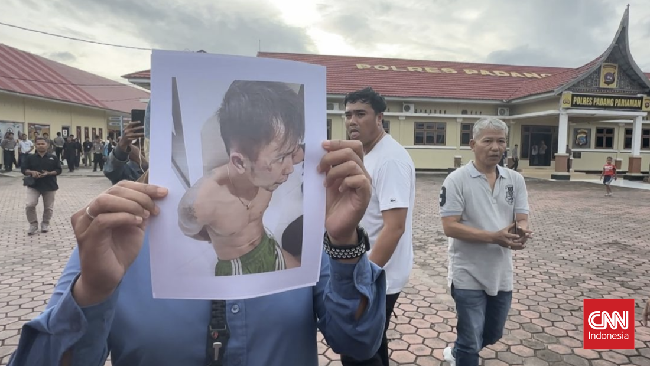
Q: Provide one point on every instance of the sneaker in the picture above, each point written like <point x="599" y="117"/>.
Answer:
<point x="33" y="228"/>
<point x="449" y="356"/>
<point x="45" y="227"/>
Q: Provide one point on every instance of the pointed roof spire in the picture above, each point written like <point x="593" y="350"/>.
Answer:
<point x="558" y="83"/>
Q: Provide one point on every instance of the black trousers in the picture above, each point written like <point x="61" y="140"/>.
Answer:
<point x="381" y="357"/>
<point x="98" y="159"/>
<point x="9" y="160"/>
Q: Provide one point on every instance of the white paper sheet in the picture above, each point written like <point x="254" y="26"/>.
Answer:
<point x="188" y="155"/>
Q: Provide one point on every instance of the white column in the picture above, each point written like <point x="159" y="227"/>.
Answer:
<point x="562" y="133"/>
<point x="636" y="136"/>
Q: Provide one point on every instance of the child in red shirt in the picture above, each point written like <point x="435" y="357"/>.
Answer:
<point x="609" y="173"/>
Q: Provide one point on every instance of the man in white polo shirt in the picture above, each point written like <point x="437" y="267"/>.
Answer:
<point x="388" y="218"/>
<point x="484" y="210"/>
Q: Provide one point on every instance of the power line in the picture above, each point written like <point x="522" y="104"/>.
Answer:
<point x="62" y="83"/>
<point x="74" y="39"/>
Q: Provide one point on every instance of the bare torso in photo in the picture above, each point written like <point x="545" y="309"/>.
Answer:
<point x="233" y="219"/>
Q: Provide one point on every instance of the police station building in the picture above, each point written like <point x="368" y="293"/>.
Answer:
<point x="596" y="110"/>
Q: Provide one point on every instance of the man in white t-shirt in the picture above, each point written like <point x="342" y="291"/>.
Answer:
<point x="388" y="219"/>
<point x="25" y="147"/>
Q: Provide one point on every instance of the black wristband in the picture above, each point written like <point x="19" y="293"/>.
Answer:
<point x="348" y="251"/>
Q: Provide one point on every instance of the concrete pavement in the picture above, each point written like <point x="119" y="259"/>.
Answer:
<point x="586" y="245"/>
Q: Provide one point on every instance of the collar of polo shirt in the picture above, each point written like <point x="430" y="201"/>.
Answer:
<point x="474" y="173"/>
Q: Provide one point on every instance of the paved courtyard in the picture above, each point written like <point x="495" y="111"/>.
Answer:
<point x="586" y="246"/>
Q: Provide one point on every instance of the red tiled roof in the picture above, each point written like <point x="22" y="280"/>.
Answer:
<point x="25" y="73"/>
<point x="344" y="75"/>
<point x="549" y="84"/>
<point x="144" y="74"/>
<point x="467" y="82"/>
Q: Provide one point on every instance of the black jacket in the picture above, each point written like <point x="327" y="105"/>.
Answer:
<point x="48" y="162"/>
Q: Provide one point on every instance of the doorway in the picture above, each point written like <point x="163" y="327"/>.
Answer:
<point x="532" y="138"/>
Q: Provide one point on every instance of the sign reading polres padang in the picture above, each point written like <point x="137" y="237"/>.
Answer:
<point x="449" y="70"/>
<point x="630" y="103"/>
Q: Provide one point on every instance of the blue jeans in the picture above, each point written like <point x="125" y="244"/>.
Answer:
<point x="481" y="319"/>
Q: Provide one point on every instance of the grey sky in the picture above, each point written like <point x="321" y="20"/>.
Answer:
<point x="564" y="33"/>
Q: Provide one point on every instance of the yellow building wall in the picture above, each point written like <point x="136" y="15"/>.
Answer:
<point x="51" y="117"/>
<point x="541" y="106"/>
<point x="430" y="157"/>
<point x="443" y="108"/>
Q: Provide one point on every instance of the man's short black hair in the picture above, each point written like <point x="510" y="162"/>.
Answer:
<point x="40" y="138"/>
<point x="254" y="113"/>
<point x="369" y="96"/>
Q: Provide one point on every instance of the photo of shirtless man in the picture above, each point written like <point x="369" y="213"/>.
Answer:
<point x="262" y="126"/>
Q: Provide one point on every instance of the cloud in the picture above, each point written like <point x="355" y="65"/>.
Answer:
<point x="217" y="27"/>
<point x="227" y="26"/>
<point x="533" y="32"/>
<point x="63" y="57"/>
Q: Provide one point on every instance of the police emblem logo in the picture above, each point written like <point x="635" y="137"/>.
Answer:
<point x="510" y="194"/>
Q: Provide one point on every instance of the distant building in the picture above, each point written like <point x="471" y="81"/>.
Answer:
<point x="39" y="95"/>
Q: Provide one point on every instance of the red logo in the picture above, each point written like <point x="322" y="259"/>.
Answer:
<point x="608" y="324"/>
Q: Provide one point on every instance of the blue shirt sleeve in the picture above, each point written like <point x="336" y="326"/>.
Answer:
<point x="336" y="299"/>
<point x="64" y="325"/>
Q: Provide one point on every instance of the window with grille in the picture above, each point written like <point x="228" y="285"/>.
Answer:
<point x="430" y="133"/>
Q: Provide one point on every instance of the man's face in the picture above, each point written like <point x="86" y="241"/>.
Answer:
<point x="274" y="164"/>
<point x="489" y="146"/>
<point x="41" y="146"/>
<point x="609" y="160"/>
<point x="362" y="123"/>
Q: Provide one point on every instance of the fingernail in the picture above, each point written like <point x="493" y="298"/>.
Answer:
<point x="162" y="190"/>
<point x="326" y="144"/>
<point x="146" y="214"/>
<point x="138" y="219"/>
<point x="318" y="168"/>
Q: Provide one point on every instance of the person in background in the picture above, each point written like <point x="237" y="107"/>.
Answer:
<point x="44" y="168"/>
<point x="534" y="155"/>
<point x="87" y="147"/>
<point x="569" y="160"/>
<point x="542" y="158"/>
<point x="58" y="145"/>
<point x="70" y="152"/>
<point x="125" y="161"/>
<point x="50" y="145"/>
<point x="77" y="142"/>
<point x="515" y="157"/>
<point x="608" y="174"/>
<point x="25" y="147"/>
<point x="8" y="145"/>
<point x="98" y="158"/>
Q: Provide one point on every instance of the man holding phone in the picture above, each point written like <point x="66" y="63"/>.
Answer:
<point x="478" y="204"/>
<point x="125" y="161"/>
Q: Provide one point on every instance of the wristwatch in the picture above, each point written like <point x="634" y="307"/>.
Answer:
<point x="348" y="251"/>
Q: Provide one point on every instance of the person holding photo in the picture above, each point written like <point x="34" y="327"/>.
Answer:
<point x="103" y="301"/>
<point x="226" y="206"/>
